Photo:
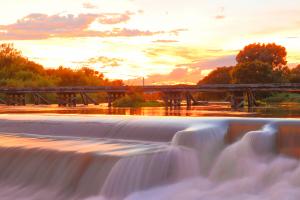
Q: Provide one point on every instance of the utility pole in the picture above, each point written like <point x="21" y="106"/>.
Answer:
<point x="143" y="81"/>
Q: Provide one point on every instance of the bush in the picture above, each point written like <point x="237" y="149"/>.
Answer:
<point x="283" y="97"/>
<point x="135" y="100"/>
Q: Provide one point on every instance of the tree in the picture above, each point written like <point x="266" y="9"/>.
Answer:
<point x="221" y="75"/>
<point x="253" y="72"/>
<point x="261" y="63"/>
<point x="17" y="71"/>
<point x="294" y="76"/>
<point x="7" y="50"/>
<point x="273" y="54"/>
<point x="8" y="54"/>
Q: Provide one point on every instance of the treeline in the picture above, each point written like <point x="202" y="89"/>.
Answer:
<point x="256" y="63"/>
<point x="17" y="71"/>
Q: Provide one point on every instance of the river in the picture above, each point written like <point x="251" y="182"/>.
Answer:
<point x="291" y="110"/>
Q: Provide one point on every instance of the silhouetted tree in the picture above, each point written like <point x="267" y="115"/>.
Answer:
<point x="220" y="75"/>
<point x="294" y="76"/>
<point x="252" y="72"/>
<point x="17" y="71"/>
<point x="273" y="54"/>
<point x="261" y="63"/>
<point x="8" y="54"/>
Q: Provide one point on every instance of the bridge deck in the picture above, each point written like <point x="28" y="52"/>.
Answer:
<point x="172" y="94"/>
<point x="288" y="87"/>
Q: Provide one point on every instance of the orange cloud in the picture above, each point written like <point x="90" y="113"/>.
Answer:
<point x="177" y="31"/>
<point x="178" y="51"/>
<point x="177" y="76"/>
<point x="220" y="17"/>
<point x="211" y="63"/>
<point x="105" y="61"/>
<point x="165" y="41"/>
<point x="42" y="26"/>
<point x="192" y="57"/>
<point x="189" y="73"/>
<point x="89" y="5"/>
<point x="114" y="18"/>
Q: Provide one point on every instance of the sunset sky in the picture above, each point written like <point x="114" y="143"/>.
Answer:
<point x="165" y="41"/>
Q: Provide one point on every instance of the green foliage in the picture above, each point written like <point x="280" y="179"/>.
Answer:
<point x="283" y="97"/>
<point x="221" y="75"/>
<point x="294" y="76"/>
<point x="256" y="63"/>
<point x="135" y="100"/>
<point x="151" y="104"/>
<point x="17" y="71"/>
<point x="273" y="54"/>
<point x="252" y="72"/>
<point x="132" y="100"/>
<point x="261" y="63"/>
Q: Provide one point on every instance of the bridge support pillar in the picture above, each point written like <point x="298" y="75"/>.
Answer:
<point x="237" y="100"/>
<point x="112" y="96"/>
<point x="66" y="99"/>
<point x="172" y="99"/>
<point x="38" y="99"/>
<point x="190" y="100"/>
<point x="86" y="99"/>
<point x="251" y="99"/>
<point x="15" y="99"/>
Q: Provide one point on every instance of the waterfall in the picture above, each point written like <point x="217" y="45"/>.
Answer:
<point x="247" y="169"/>
<point x="116" y="157"/>
<point x="207" y="141"/>
<point x="149" y="170"/>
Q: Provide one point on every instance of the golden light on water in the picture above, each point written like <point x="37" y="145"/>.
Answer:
<point x="103" y="147"/>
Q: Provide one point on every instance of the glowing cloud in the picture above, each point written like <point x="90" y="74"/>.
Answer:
<point x="114" y="18"/>
<point x="89" y="5"/>
<point x="41" y="26"/>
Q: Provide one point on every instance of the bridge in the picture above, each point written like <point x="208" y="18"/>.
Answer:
<point x="173" y="95"/>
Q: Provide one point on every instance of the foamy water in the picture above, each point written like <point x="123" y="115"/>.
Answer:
<point x="133" y="158"/>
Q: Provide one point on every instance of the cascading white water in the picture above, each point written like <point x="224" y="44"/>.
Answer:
<point x="142" y="172"/>
<point x="114" y="158"/>
<point x="206" y="140"/>
<point x="248" y="169"/>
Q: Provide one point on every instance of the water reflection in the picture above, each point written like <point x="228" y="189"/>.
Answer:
<point x="78" y="145"/>
<point x="279" y="110"/>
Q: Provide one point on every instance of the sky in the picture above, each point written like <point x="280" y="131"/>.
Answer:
<point x="165" y="41"/>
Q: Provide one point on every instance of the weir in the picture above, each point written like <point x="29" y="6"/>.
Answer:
<point x="127" y="157"/>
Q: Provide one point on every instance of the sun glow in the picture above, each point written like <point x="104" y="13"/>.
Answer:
<point x="143" y="39"/>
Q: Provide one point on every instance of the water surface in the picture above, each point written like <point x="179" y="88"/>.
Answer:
<point x="101" y="157"/>
<point x="291" y="110"/>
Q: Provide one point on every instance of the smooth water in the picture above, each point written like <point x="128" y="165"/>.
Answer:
<point x="99" y="157"/>
<point x="291" y="110"/>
